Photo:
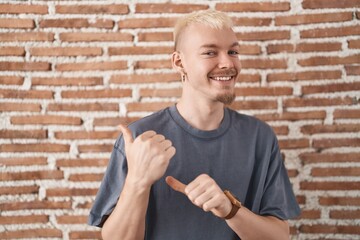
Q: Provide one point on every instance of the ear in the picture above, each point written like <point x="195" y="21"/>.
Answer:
<point x="177" y="62"/>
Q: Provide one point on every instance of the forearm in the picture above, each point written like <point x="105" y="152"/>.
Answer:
<point x="248" y="225"/>
<point x="127" y="221"/>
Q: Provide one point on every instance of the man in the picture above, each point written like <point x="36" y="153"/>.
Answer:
<point x="167" y="173"/>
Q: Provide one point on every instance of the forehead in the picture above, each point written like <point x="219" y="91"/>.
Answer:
<point x="199" y="35"/>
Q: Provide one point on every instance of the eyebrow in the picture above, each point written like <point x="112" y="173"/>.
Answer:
<point x="235" y="44"/>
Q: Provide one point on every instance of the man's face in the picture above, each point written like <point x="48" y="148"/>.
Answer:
<point x="211" y="62"/>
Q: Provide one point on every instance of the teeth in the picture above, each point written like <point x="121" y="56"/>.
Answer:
<point x="222" y="78"/>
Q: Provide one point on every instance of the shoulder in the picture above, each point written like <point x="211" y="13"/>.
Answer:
<point x="250" y="124"/>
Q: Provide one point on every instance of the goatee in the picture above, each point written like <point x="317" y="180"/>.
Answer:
<point x="226" y="98"/>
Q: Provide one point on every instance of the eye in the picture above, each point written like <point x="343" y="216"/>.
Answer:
<point x="233" y="53"/>
<point x="209" y="53"/>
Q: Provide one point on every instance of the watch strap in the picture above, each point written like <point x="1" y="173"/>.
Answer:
<point x="236" y="205"/>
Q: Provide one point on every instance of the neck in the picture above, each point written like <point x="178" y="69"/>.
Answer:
<point x="204" y="116"/>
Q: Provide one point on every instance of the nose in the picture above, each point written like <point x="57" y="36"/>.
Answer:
<point x="226" y="61"/>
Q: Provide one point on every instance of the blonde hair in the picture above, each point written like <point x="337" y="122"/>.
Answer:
<point x="210" y="18"/>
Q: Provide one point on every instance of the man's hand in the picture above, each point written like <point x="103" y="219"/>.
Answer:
<point x="204" y="193"/>
<point x="147" y="156"/>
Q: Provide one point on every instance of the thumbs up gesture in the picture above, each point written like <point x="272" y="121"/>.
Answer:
<point x="148" y="156"/>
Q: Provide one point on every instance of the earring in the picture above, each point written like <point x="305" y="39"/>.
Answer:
<point x="183" y="78"/>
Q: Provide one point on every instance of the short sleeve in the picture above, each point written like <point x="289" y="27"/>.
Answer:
<point x="110" y="188"/>
<point x="278" y="198"/>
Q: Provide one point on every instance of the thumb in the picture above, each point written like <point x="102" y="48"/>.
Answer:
<point x="127" y="134"/>
<point x="175" y="184"/>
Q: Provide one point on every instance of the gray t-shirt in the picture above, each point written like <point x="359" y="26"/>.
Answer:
<point x="242" y="155"/>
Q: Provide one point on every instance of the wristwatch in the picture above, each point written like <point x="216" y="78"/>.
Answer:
<point x="236" y="204"/>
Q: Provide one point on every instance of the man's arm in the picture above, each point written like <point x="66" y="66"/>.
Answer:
<point x="206" y="194"/>
<point x="148" y="157"/>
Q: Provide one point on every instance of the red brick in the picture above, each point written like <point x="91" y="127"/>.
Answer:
<point x="30" y="205"/>
<point x="147" y="107"/>
<point x="106" y="93"/>
<point x="157" y="64"/>
<point x="34" y="147"/>
<point x="63" y="81"/>
<point x="87" y="135"/>
<point x="346" y="113"/>
<point x="145" y="78"/>
<point x="281" y="130"/>
<point x="12" y="51"/>
<point x="155" y="36"/>
<point x="263" y="91"/>
<point x="139" y="50"/>
<point x="17" y="23"/>
<point x="294" y="143"/>
<point x="85" y="235"/>
<point x="27" y="219"/>
<point x="302" y="19"/>
<point x="263" y="35"/>
<point x="24" y="94"/>
<point x="246" y="21"/>
<point x="315" y="4"/>
<point x="174" y="92"/>
<point x="327" y="172"/>
<point x="11" y="80"/>
<point x="355" y="43"/>
<point x="66" y="192"/>
<point x="37" y="134"/>
<point x="23" y="8"/>
<point x="318" y="61"/>
<point x="264" y="63"/>
<point x="25" y="161"/>
<point x="310" y="214"/>
<point x="253" y="7"/>
<point x="95" y="37"/>
<point x="304" y="47"/>
<point x="339" y="201"/>
<point x="292" y="173"/>
<point x="114" y="121"/>
<point x="247" y="49"/>
<point x="147" y="23"/>
<point x="20" y="107"/>
<point x="91" y="66"/>
<point x="304" y="102"/>
<point x="34" y="175"/>
<point x="331" y="143"/>
<point x="352" y="70"/>
<point x="72" y="219"/>
<point x="168" y="8"/>
<point x="32" y="233"/>
<point x="314" y="157"/>
<point x="345" y="214"/>
<point x="82" y="162"/>
<point x="86" y="177"/>
<point x="333" y="229"/>
<point x="300" y="76"/>
<point x="331" y="32"/>
<point x="255" y="104"/>
<point x="339" y="128"/>
<point x="65" y="51"/>
<point x="18" y="190"/>
<point x="76" y="23"/>
<point x="330" y="185"/>
<point x="27" y="37"/>
<point x="93" y="9"/>
<point x="330" y="88"/>
<point x="292" y="116"/>
<point x="24" y="66"/>
<point x="45" y="120"/>
<point x="86" y="205"/>
<point x="84" y="107"/>
<point x="95" y="148"/>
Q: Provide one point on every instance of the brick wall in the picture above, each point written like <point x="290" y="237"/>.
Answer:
<point x="70" y="71"/>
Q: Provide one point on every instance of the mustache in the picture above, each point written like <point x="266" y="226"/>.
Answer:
<point x="227" y="72"/>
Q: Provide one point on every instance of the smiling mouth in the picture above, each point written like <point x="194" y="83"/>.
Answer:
<point x="223" y="78"/>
